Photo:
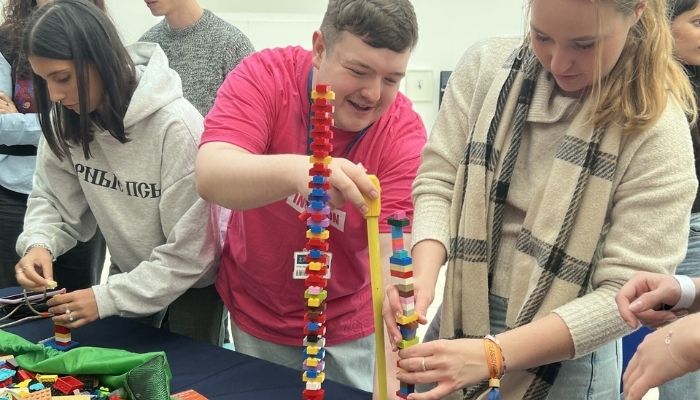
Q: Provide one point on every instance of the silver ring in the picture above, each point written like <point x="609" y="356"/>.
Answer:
<point x="422" y="364"/>
<point x="70" y="317"/>
<point x="67" y="310"/>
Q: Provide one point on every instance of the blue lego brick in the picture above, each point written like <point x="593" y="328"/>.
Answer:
<point x="401" y="260"/>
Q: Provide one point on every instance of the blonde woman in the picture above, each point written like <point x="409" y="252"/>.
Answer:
<point x="556" y="169"/>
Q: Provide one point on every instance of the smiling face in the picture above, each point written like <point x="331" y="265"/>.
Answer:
<point x="686" y="35"/>
<point x="365" y="79"/>
<point x="62" y="83"/>
<point x="567" y="40"/>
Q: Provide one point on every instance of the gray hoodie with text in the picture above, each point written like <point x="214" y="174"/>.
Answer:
<point x="141" y="194"/>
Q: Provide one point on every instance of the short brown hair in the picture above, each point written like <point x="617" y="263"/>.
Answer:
<point x="389" y="24"/>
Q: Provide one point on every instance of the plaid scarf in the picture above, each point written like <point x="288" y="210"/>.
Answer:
<point x="560" y="233"/>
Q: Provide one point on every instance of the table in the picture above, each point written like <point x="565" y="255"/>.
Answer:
<point x="215" y="372"/>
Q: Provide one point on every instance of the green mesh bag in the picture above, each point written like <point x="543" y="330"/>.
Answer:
<point x="143" y="376"/>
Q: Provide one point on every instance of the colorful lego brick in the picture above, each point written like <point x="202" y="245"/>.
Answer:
<point x="46" y="378"/>
<point x="406" y="319"/>
<point x="320" y="331"/>
<point x="400" y="260"/>
<point x="6" y="376"/>
<point x="61" y="329"/>
<point x="312" y="376"/>
<point x="189" y="394"/>
<point x="51" y="342"/>
<point x="409" y="331"/>
<point x="24" y="374"/>
<point x="313" y="394"/>
<point x="405" y="285"/>
<point x="41" y="394"/>
<point x="313" y="386"/>
<point x="67" y="384"/>
<point x="314" y="351"/>
<point x="405" y="343"/>
<point x="402" y="274"/>
<point x="327" y="95"/>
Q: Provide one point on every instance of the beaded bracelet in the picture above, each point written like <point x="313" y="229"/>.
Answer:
<point x="496" y="364"/>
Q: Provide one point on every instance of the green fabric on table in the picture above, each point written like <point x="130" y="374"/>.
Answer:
<point x="143" y="376"/>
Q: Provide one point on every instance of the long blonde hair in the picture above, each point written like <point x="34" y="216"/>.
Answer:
<point x="635" y="92"/>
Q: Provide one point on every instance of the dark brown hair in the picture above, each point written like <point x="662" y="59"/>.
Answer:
<point x="384" y="24"/>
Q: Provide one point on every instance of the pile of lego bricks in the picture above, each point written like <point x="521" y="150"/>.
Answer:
<point x="17" y="383"/>
<point x="402" y="274"/>
<point x="317" y="221"/>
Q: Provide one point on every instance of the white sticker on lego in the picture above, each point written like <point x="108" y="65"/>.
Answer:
<point x="300" y="265"/>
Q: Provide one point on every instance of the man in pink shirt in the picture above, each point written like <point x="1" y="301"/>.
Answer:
<point x="253" y="159"/>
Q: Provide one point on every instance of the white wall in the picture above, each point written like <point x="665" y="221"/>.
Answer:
<point x="446" y="28"/>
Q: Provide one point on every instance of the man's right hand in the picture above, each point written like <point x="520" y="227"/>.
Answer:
<point x="349" y="181"/>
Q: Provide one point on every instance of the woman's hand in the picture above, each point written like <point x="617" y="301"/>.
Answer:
<point x="642" y="297"/>
<point x="34" y="271"/>
<point x="452" y="364"/>
<point x="655" y="362"/>
<point x="74" y="309"/>
<point x="7" y="106"/>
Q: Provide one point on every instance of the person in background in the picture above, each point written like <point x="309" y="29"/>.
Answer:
<point x="672" y="352"/>
<point x="80" y="267"/>
<point x="201" y="47"/>
<point x="256" y="138"/>
<point x="118" y="151"/>
<point x="557" y="167"/>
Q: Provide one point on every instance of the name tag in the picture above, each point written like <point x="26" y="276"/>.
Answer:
<point x="300" y="265"/>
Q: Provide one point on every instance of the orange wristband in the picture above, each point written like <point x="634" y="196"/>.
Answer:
<point x="495" y="362"/>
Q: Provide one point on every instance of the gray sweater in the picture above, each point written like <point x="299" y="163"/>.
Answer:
<point x="203" y="54"/>
<point x="141" y="194"/>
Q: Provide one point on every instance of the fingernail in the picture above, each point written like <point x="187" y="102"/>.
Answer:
<point x="636" y="306"/>
<point x="671" y="319"/>
<point x="373" y="194"/>
<point x="364" y="209"/>
<point x="362" y="166"/>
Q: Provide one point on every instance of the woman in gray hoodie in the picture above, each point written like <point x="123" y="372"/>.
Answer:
<point x="118" y="152"/>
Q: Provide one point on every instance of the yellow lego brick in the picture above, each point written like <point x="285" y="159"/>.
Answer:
<point x="325" y="160"/>
<point x="316" y="266"/>
<point x="405" y="320"/>
<point x="323" y="235"/>
<point x="312" y="350"/>
<point x="328" y="95"/>
<point x="320" y="296"/>
<point x="319" y="378"/>
<point x="312" y="362"/>
<point x="64" y="336"/>
<point x="46" y="378"/>
<point x="313" y="302"/>
<point x="407" y="343"/>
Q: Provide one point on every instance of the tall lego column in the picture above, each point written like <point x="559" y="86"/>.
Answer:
<point x="402" y="275"/>
<point x="317" y="220"/>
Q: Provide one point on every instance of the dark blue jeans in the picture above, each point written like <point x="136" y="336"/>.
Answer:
<point x="79" y="268"/>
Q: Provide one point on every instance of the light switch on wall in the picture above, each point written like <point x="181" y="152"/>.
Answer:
<point x="419" y="85"/>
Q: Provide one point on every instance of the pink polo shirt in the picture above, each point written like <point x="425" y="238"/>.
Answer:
<point x="263" y="107"/>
